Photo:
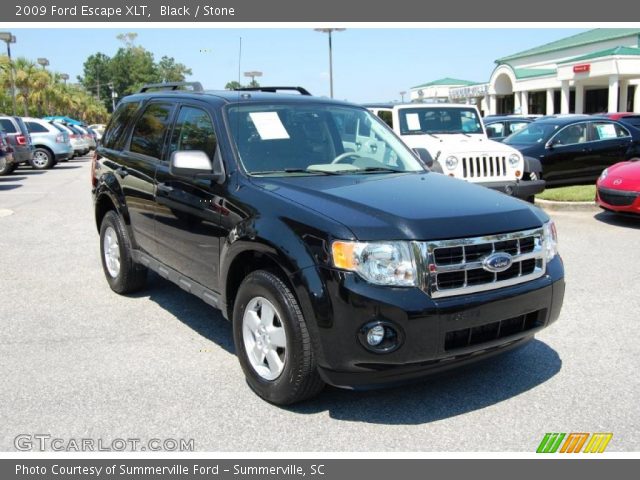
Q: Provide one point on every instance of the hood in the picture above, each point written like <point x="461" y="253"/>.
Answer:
<point x="457" y="143"/>
<point x="407" y="206"/>
<point x="625" y="171"/>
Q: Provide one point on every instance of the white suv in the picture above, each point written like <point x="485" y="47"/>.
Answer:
<point x="455" y="138"/>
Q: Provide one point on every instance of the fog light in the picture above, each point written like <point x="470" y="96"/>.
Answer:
<point x="381" y="336"/>
<point x="375" y="335"/>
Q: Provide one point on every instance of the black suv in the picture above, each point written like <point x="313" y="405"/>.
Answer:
<point x="334" y="266"/>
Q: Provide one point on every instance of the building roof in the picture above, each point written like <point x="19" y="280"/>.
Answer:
<point x="522" y="73"/>
<point x="446" y="82"/>
<point x="605" y="53"/>
<point x="583" y="38"/>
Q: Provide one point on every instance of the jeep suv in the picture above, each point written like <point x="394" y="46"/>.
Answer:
<point x="334" y="265"/>
<point x="455" y="137"/>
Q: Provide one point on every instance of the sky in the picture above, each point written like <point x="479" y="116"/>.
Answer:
<point x="369" y="64"/>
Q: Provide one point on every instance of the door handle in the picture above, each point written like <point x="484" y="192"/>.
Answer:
<point x="164" y="188"/>
<point x="122" y="172"/>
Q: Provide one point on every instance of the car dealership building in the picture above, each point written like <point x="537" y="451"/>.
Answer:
<point x="591" y="72"/>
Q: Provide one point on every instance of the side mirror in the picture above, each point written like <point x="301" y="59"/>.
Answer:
<point x="424" y="155"/>
<point x="550" y="144"/>
<point x="196" y="164"/>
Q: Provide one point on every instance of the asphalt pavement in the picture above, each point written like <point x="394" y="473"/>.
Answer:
<point x="78" y="361"/>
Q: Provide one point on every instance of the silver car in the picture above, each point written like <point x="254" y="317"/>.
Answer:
<point x="80" y="144"/>
<point x="51" y="145"/>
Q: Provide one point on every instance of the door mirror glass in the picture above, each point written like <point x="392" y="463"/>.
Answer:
<point x="189" y="163"/>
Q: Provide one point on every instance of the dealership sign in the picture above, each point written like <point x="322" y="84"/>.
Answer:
<point x="582" y="68"/>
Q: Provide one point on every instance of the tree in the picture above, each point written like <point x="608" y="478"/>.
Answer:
<point x="170" y="71"/>
<point x="233" y="85"/>
<point x="95" y="78"/>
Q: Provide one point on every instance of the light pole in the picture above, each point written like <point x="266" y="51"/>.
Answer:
<point x="44" y="62"/>
<point x="114" y="95"/>
<point x="329" y="31"/>
<point x="64" y="77"/>
<point x="253" y="74"/>
<point x="9" y="39"/>
<point x="402" y="94"/>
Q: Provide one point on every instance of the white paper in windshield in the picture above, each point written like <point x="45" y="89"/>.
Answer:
<point x="269" y="125"/>
<point x="413" y="121"/>
<point x="606" y="130"/>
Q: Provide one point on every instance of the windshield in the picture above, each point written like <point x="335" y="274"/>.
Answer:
<point x="442" y="120"/>
<point x="532" y="134"/>
<point x="311" y="139"/>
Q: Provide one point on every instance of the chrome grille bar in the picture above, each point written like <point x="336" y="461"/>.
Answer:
<point x="455" y="267"/>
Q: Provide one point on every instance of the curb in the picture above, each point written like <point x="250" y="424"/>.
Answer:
<point x="567" y="206"/>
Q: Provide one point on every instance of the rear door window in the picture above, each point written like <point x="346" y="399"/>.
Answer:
<point x="608" y="131"/>
<point x="149" y="131"/>
<point x="35" y="127"/>
<point x="495" y="130"/>
<point x="8" y="126"/>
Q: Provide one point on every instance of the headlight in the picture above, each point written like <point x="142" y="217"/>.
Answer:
<point x="451" y="162"/>
<point x="604" y="174"/>
<point x="381" y="263"/>
<point x="514" y="159"/>
<point x="550" y="240"/>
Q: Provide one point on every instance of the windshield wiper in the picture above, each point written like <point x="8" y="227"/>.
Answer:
<point x="417" y="132"/>
<point x="378" y="170"/>
<point x="294" y="170"/>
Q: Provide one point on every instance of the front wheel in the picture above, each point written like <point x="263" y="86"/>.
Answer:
<point x="272" y="341"/>
<point x="42" y="159"/>
<point x="123" y="274"/>
<point x="6" y="168"/>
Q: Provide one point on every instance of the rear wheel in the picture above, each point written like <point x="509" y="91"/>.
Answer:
<point x="42" y="159"/>
<point x="6" y="168"/>
<point x="122" y="273"/>
<point x="272" y="341"/>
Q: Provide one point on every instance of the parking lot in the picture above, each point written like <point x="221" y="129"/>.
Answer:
<point x="77" y="360"/>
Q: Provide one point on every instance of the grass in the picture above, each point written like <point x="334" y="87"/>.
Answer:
<point x="576" y="193"/>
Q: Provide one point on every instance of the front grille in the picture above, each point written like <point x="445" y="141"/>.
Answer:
<point x="468" y="337"/>
<point x="617" y="198"/>
<point x="484" y="167"/>
<point x="456" y="267"/>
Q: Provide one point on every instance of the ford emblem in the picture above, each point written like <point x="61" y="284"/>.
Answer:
<point x="497" y="262"/>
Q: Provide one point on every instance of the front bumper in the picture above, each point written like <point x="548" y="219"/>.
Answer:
<point x="437" y="334"/>
<point x="520" y="188"/>
<point x="618" y="200"/>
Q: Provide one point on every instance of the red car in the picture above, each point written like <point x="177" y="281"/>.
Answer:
<point x="628" y="118"/>
<point x="618" y="188"/>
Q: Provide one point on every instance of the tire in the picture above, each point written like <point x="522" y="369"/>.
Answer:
<point x="42" y="159"/>
<point x="6" y="168"/>
<point x="285" y="336"/>
<point x="124" y="275"/>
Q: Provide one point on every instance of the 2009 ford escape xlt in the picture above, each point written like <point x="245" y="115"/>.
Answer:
<point x="334" y="266"/>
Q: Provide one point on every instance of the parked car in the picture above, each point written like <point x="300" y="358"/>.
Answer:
<point x="627" y="118"/>
<point x="18" y="137"/>
<point x="575" y="149"/>
<point x="88" y="136"/>
<point x="353" y="268"/>
<point x="51" y="145"/>
<point x="99" y="129"/>
<point x="455" y="138"/>
<point x="618" y="188"/>
<point x="7" y="162"/>
<point x="500" y="127"/>
<point x="79" y="143"/>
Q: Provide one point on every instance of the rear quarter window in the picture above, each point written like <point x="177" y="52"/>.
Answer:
<point x="121" y="118"/>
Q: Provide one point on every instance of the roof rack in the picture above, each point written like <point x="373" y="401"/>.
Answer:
<point x="300" y="90"/>
<point x="195" y="86"/>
